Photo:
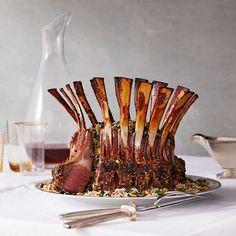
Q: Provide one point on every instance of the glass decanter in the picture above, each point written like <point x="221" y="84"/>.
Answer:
<point x="53" y="73"/>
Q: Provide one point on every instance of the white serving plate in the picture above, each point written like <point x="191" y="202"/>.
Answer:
<point x="213" y="185"/>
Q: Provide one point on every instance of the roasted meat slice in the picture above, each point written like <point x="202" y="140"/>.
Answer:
<point x="74" y="174"/>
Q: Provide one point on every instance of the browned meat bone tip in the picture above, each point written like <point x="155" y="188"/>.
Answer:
<point x="68" y="99"/>
<point x="183" y="112"/>
<point x="61" y="100"/>
<point x="136" y="87"/>
<point x="98" y="86"/>
<point x="81" y="95"/>
<point x="117" y="89"/>
<point x="162" y="98"/>
<point x="142" y="100"/>
<point x="156" y="86"/>
<point x="100" y="92"/>
<point x="123" y="88"/>
<point x="179" y="104"/>
<point x="77" y="105"/>
<point x="178" y="94"/>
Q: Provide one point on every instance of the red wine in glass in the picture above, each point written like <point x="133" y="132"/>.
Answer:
<point x="55" y="153"/>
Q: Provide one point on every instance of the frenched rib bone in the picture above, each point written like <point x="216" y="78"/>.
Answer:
<point x="106" y="167"/>
<point x="182" y="113"/>
<point x="62" y="101"/>
<point x="156" y="86"/>
<point x="77" y="106"/>
<point x="67" y="98"/>
<point x="81" y="95"/>
<point x="98" y="86"/>
<point x="176" y="109"/>
<point x="100" y="92"/>
<point x="127" y="153"/>
<point x="142" y="99"/>
<point x="124" y="91"/>
<point x="125" y="138"/>
<point x="136" y="87"/>
<point x="159" y="104"/>
<point x="179" y="93"/>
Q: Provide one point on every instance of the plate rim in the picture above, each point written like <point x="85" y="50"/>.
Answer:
<point x="115" y="198"/>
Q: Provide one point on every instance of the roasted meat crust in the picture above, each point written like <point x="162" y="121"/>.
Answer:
<point x="126" y="153"/>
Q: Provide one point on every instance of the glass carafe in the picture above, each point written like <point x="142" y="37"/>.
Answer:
<point x="42" y="107"/>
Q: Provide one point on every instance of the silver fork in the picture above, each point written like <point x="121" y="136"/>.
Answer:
<point x="91" y="217"/>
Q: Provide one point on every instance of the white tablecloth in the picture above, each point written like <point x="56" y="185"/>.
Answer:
<point x="26" y="211"/>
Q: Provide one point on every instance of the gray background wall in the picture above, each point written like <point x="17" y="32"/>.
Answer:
<point x="183" y="42"/>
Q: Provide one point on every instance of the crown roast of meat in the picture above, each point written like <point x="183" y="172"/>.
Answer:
<point x="136" y="152"/>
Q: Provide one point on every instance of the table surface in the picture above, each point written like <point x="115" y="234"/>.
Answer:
<point x="24" y="210"/>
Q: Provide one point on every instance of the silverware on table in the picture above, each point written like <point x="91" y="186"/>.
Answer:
<point x="102" y="216"/>
<point x="86" y="218"/>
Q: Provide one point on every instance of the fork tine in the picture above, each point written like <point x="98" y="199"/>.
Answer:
<point x="168" y="204"/>
<point x="175" y="194"/>
<point x="177" y="202"/>
<point x="179" y="193"/>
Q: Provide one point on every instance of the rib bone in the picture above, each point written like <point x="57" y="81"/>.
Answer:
<point x="61" y="100"/>
<point x="142" y="99"/>
<point x="124" y="86"/>
<point x="106" y="167"/>
<point x="81" y="95"/>
<point x="136" y="87"/>
<point x="98" y="86"/>
<point x="67" y="98"/>
<point x="178" y="105"/>
<point x="179" y="93"/>
<point x="182" y="113"/>
<point x="77" y="105"/>
<point x="156" y="86"/>
<point x="162" y="98"/>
